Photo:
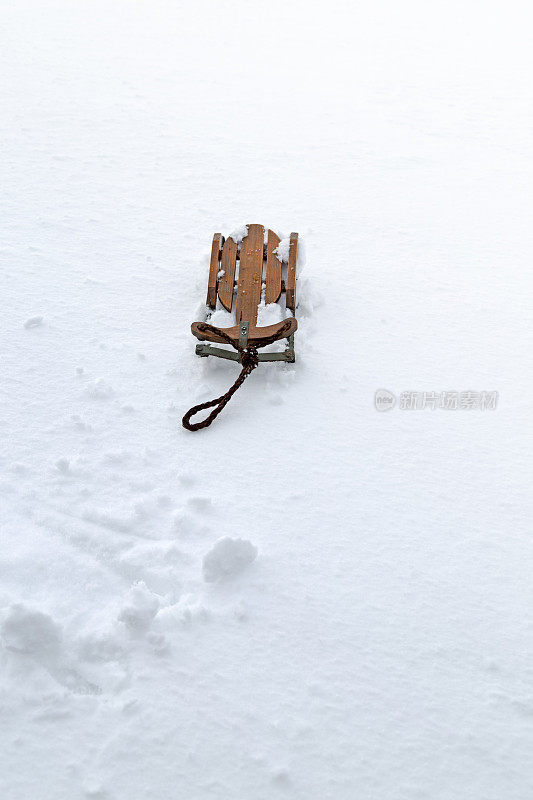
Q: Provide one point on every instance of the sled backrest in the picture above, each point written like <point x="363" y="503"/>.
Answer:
<point x="257" y="263"/>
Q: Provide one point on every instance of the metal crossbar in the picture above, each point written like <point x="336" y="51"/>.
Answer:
<point x="204" y="350"/>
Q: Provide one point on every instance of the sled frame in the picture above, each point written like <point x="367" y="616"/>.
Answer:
<point x="255" y="257"/>
<point x="204" y="350"/>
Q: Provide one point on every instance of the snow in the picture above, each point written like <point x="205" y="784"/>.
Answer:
<point x="33" y="322"/>
<point x="228" y="557"/>
<point x="140" y="607"/>
<point x="364" y="630"/>
<point x="282" y="250"/>
<point x="270" y="313"/>
<point x="98" y="389"/>
<point x="239" y="233"/>
<point x="30" y="632"/>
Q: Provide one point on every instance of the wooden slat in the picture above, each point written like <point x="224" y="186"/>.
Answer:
<point x="213" y="270"/>
<point x="273" y="270"/>
<point x="290" y="295"/>
<point x="227" y="264"/>
<point x="250" y="273"/>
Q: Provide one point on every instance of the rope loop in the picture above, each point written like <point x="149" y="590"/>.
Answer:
<point x="249" y="360"/>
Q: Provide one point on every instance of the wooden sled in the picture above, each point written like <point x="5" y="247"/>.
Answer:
<point x="258" y="264"/>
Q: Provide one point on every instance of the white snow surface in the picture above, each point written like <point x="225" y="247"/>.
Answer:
<point x="379" y="646"/>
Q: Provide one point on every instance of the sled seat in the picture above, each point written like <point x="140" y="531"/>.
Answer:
<point x="255" y="263"/>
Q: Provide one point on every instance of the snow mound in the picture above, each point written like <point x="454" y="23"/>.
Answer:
<point x="239" y="234"/>
<point x="31" y="632"/>
<point x="282" y="250"/>
<point x="222" y="318"/>
<point x="227" y="558"/>
<point x="269" y="314"/>
<point x="140" y="607"/>
<point x="33" y="322"/>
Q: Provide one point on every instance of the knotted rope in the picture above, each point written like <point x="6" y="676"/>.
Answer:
<point x="249" y="361"/>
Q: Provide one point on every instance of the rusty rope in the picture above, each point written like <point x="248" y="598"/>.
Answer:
<point x="249" y="360"/>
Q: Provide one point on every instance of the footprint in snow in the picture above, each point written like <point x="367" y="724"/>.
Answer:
<point x="79" y="424"/>
<point x="281" y="778"/>
<point x="99" y="390"/>
<point x="202" y="505"/>
<point x="187" y="479"/>
<point x="187" y="527"/>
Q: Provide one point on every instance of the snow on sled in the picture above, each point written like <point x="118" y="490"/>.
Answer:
<point x="244" y="275"/>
